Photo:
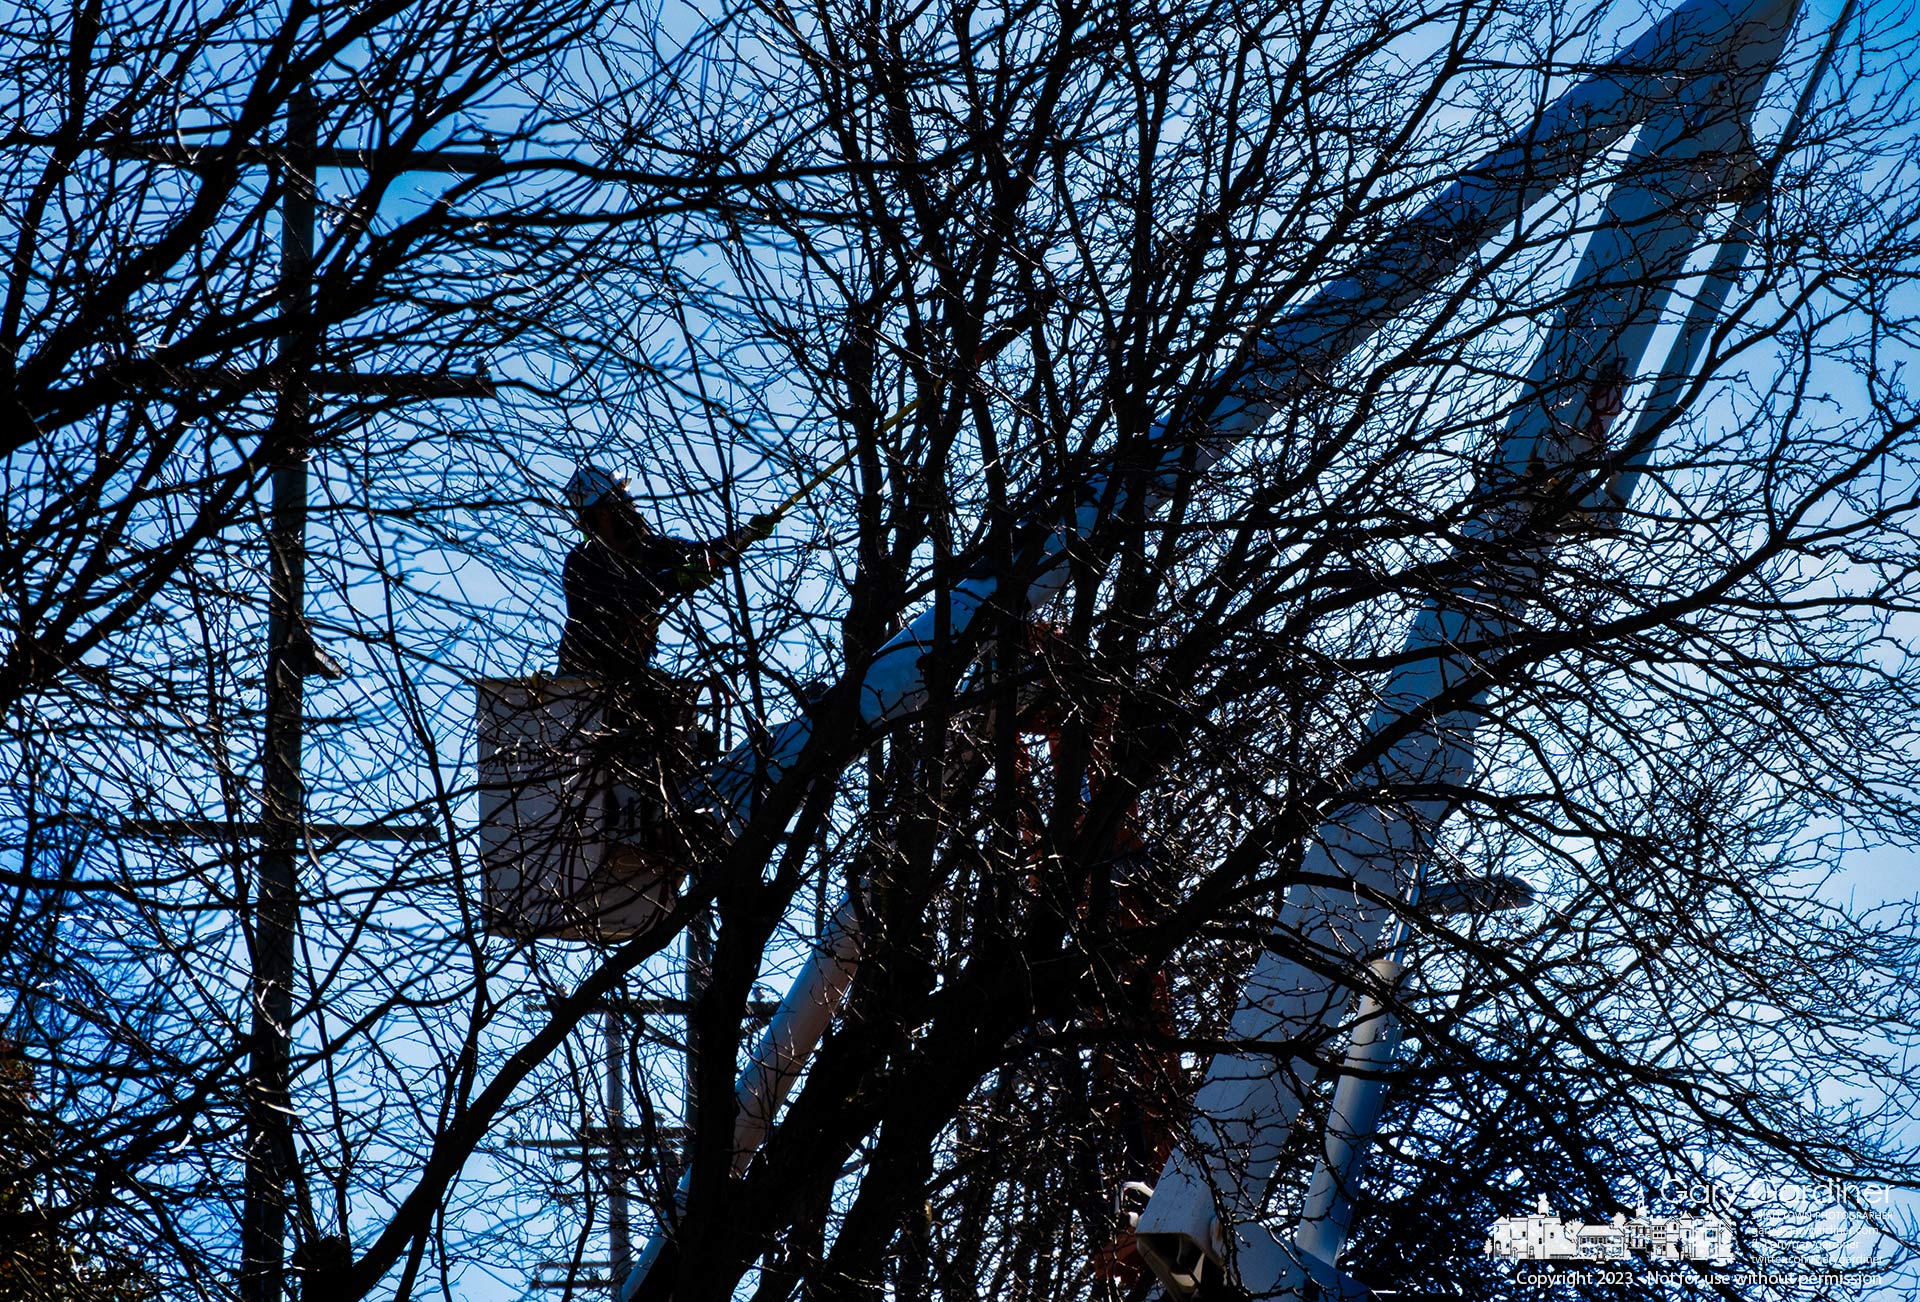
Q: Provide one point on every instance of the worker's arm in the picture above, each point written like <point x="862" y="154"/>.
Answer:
<point x="705" y="562"/>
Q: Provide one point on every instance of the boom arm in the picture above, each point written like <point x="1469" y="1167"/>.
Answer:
<point x="1204" y="1218"/>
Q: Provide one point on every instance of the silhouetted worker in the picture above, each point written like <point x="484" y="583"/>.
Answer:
<point x="624" y="576"/>
<point x="620" y="582"/>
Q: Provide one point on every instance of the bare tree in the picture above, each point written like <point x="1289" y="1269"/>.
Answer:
<point x="1117" y="205"/>
<point x="990" y="258"/>
<point x="238" y="242"/>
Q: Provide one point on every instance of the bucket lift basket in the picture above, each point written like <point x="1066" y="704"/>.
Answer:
<point x="581" y="828"/>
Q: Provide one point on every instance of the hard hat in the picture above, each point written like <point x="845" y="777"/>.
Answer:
<point x="590" y="486"/>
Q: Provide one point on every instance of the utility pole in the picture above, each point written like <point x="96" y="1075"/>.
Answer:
<point x="269" y="1151"/>
<point x="614" y="1146"/>
<point x="282" y="831"/>
<point x="619" y="1235"/>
